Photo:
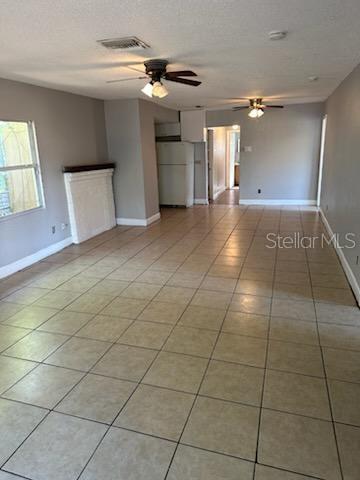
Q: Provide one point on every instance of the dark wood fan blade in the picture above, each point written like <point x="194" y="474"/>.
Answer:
<point x="180" y="73"/>
<point x="273" y="106"/>
<point x="127" y="79"/>
<point x="240" y="108"/>
<point x="193" y="83"/>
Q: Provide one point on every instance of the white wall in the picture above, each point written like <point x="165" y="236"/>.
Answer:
<point x="70" y="131"/>
<point x="285" y="151"/>
<point x="219" y="161"/>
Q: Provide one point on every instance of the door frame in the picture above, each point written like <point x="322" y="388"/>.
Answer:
<point x="321" y="160"/>
<point x="230" y="163"/>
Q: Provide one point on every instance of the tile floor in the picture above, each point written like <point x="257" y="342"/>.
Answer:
<point x="187" y="350"/>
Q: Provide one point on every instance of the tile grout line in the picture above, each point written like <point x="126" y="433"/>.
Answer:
<point x="49" y="411"/>
<point x="197" y="394"/>
<point x="176" y="324"/>
<point x="127" y="401"/>
<point x="135" y="389"/>
<point x="42" y="421"/>
<point x="325" y="373"/>
<point x="94" y="314"/>
<point x="265" y="361"/>
<point x="64" y="309"/>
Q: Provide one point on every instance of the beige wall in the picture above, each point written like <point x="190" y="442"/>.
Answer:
<point x="130" y="127"/>
<point x="340" y="194"/>
<point x="70" y="131"/>
<point x="124" y="145"/>
<point x="285" y="145"/>
<point x="151" y="113"/>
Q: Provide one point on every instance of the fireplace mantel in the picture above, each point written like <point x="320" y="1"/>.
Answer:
<point x="90" y="202"/>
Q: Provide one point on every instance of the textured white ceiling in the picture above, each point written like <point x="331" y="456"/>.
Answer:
<point x="53" y="43"/>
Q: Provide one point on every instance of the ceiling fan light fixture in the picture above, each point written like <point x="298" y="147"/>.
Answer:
<point x="148" y="89"/>
<point x="159" y="90"/>
<point x="256" y="112"/>
<point x="253" y="113"/>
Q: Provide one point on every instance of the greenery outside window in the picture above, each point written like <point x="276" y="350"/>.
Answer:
<point x="20" y="180"/>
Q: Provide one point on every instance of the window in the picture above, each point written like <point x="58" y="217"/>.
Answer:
<point x="20" y="183"/>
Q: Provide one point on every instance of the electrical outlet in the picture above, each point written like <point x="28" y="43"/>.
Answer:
<point x="63" y="226"/>
<point x="53" y="229"/>
<point x="259" y="190"/>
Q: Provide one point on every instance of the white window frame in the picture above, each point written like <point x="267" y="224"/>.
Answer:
<point x="35" y="165"/>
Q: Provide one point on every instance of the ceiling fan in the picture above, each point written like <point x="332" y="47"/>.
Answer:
<point x="256" y="107"/>
<point x="155" y="71"/>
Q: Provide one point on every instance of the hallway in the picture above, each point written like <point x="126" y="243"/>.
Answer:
<point x="187" y="350"/>
<point x="228" y="197"/>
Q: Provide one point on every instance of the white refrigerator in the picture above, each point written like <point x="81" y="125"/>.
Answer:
<point x="176" y="173"/>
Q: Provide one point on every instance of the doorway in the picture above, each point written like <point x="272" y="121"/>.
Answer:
<point x="223" y="164"/>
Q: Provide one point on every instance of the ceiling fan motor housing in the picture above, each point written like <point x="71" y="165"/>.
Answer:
<point x="156" y="68"/>
<point x="256" y="103"/>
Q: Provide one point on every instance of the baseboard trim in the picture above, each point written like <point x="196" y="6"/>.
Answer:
<point x="35" y="257"/>
<point x="201" y="201"/>
<point x="138" y="222"/>
<point x="251" y="201"/>
<point x="153" y="218"/>
<point x="215" y="195"/>
<point x="345" y="264"/>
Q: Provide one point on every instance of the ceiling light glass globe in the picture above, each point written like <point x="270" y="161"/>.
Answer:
<point x="256" y="113"/>
<point x="253" y="113"/>
<point x="159" y="90"/>
<point x="148" y="89"/>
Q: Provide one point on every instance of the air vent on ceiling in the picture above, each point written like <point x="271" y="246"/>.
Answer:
<point x="125" y="43"/>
